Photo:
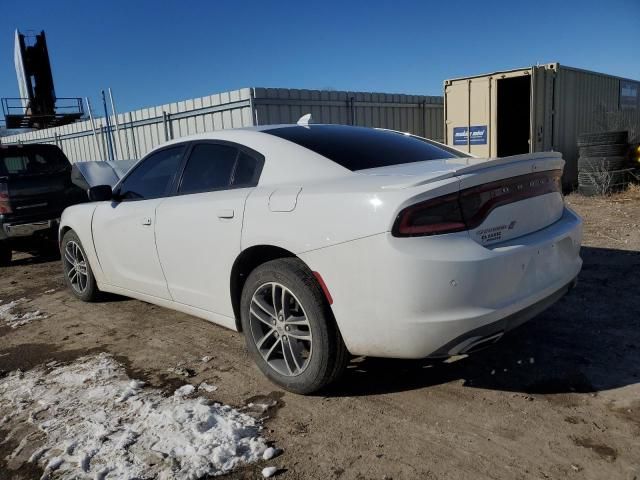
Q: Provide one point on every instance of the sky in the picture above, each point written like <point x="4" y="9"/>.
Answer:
<point x="156" y="52"/>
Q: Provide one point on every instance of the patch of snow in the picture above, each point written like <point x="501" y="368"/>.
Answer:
<point x="269" y="471"/>
<point x="270" y="453"/>
<point x="100" y="424"/>
<point x="184" y="391"/>
<point x="206" y="359"/>
<point x="50" y="291"/>
<point x="261" y="407"/>
<point x="15" y="320"/>
<point x="207" y="388"/>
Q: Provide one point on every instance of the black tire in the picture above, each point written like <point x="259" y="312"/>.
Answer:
<point x="5" y="254"/>
<point x="613" y="150"/>
<point x="598" y="164"/>
<point x="615" y="178"/>
<point x="329" y="356"/>
<point x="90" y="292"/>
<point x="602" y="138"/>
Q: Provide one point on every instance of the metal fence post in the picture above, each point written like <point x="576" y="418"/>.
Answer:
<point x="106" y="117"/>
<point x="168" y="127"/>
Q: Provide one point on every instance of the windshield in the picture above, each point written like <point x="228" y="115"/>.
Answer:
<point x="359" y="148"/>
<point x="32" y="160"/>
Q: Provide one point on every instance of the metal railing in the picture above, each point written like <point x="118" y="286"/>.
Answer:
<point x="26" y="106"/>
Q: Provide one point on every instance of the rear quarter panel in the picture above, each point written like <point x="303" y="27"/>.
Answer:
<point x="330" y="213"/>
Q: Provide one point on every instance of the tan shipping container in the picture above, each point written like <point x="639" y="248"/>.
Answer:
<point x="538" y="108"/>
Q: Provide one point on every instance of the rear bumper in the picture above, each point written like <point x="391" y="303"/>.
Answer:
<point x="481" y="337"/>
<point x="425" y="296"/>
<point x="14" y="230"/>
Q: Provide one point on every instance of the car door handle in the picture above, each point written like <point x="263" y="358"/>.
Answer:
<point x="226" y="213"/>
<point x="146" y="221"/>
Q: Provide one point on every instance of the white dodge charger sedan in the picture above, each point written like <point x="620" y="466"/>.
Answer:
<point x="323" y="241"/>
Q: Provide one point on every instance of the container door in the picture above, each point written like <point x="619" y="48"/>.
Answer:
<point x="513" y="113"/>
<point x="468" y="115"/>
<point x="542" y="85"/>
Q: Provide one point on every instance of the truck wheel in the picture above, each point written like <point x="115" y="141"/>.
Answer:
<point x="77" y="271"/>
<point x="289" y="327"/>
<point x="5" y="254"/>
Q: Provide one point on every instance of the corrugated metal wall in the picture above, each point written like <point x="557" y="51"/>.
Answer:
<point x="420" y="115"/>
<point x="588" y="102"/>
<point x="144" y="129"/>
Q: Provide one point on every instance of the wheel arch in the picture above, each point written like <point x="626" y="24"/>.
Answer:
<point x="79" y="218"/>
<point x="63" y="230"/>
<point x="245" y="263"/>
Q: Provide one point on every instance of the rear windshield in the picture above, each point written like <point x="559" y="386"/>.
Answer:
<point x="32" y="160"/>
<point x="358" y="148"/>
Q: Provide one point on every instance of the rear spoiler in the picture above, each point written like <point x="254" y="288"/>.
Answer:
<point x="533" y="162"/>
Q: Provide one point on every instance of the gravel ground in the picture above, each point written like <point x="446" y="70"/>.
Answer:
<point x="557" y="398"/>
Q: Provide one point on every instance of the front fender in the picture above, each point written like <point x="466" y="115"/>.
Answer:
<point x="79" y="218"/>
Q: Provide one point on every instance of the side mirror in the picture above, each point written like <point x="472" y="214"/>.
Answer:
<point x="100" y="193"/>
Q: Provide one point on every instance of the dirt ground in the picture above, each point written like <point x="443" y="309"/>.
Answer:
<point x="557" y="398"/>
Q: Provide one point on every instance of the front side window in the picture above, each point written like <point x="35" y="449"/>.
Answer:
<point x="154" y="176"/>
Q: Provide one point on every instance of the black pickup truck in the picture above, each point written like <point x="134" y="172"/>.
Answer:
<point x="35" y="187"/>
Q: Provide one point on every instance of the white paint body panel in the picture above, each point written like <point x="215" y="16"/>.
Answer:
<point x="393" y="297"/>
<point x="124" y="237"/>
<point x="420" y="293"/>
<point x="197" y="248"/>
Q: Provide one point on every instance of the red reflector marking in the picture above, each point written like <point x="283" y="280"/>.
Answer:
<point x="324" y="287"/>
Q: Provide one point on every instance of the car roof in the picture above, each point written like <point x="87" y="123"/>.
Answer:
<point x="285" y="161"/>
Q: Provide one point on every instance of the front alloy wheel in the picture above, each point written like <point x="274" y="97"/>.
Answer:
<point x="76" y="268"/>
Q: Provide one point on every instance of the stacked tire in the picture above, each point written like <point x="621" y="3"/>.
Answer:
<point x="601" y="165"/>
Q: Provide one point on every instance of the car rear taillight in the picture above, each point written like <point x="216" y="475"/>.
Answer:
<point x="468" y="208"/>
<point x="5" y="205"/>
<point x="436" y="216"/>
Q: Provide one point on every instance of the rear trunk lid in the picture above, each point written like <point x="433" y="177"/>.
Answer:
<point x="500" y="199"/>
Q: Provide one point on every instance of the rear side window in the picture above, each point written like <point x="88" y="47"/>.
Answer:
<point x="213" y="166"/>
<point x="359" y="148"/>
<point x="247" y="171"/>
<point x="210" y="167"/>
<point x="32" y="160"/>
<point x="154" y="176"/>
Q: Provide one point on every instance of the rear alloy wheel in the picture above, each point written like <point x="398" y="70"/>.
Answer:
<point x="5" y="254"/>
<point x="280" y="329"/>
<point x="289" y="328"/>
<point x="77" y="271"/>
